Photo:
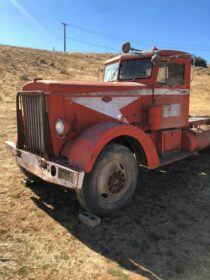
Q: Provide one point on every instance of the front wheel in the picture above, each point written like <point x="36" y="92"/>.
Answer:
<point x="111" y="183"/>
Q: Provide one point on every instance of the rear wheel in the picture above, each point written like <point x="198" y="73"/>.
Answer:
<point x="111" y="183"/>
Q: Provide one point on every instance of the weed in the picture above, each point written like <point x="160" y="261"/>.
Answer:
<point x="119" y="274"/>
<point x="52" y="64"/>
<point x="115" y="272"/>
<point x="43" y="61"/>
<point x="23" y="271"/>
<point x="24" y="77"/>
<point x="64" y="72"/>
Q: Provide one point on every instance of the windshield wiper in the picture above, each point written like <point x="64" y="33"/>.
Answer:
<point x="134" y="79"/>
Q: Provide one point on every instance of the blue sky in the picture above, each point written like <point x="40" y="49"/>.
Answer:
<point x="102" y="25"/>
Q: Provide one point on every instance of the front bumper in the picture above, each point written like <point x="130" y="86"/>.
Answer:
<point x="47" y="170"/>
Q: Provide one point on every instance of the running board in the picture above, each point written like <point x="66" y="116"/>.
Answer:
<point x="175" y="156"/>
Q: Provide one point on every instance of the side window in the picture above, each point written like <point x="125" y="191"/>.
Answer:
<point x="171" y="73"/>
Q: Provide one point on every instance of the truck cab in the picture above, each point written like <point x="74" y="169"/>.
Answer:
<point x="91" y="136"/>
<point x="167" y="82"/>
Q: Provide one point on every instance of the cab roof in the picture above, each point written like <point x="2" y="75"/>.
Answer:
<point x="136" y="55"/>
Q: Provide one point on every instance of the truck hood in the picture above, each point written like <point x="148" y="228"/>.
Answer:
<point x="72" y="87"/>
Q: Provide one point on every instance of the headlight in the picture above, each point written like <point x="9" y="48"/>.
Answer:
<point x="59" y="127"/>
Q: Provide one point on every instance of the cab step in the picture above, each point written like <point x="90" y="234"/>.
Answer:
<point x="174" y="156"/>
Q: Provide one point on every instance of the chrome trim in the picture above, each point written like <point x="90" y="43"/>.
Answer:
<point x="41" y="167"/>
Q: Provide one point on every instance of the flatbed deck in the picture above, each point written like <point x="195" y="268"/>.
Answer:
<point x="199" y="120"/>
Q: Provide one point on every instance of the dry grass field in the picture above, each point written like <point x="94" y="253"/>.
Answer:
<point x="163" y="234"/>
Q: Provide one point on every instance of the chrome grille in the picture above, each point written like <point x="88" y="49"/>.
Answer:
<point x="31" y="120"/>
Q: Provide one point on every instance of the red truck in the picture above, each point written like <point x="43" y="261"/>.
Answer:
<point x="91" y="136"/>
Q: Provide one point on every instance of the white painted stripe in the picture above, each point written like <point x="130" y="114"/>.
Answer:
<point x="137" y="92"/>
<point x="119" y="100"/>
<point x="166" y="91"/>
<point x="111" y="108"/>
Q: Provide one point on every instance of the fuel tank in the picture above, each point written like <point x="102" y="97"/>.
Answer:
<point x="196" y="138"/>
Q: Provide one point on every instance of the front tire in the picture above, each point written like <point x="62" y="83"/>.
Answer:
<point x="111" y="183"/>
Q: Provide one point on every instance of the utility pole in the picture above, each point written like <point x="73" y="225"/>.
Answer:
<point x="64" y="37"/>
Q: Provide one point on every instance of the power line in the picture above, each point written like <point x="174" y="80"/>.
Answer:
<point x="92" y="44"/>
<point x="49" y="42"/>
<point x="101" y="35"/>
<point x="143" y="42"/>
<point x="95" y="33"/>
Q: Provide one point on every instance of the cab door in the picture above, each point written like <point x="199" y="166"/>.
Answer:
<point x="172" y="93"/>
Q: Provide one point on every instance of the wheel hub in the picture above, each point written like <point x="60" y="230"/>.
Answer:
<point x="116" y="182"/>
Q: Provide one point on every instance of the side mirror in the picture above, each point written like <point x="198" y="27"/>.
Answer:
<point x="126" y="47"/>
<point x="155" y="59"/>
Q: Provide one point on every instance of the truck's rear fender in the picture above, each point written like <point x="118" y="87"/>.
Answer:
<point x="83" y="152"/>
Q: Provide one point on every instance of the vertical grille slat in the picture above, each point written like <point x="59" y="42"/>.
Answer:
<point x="41" y="123"/>
<point x="36" y="136"/>
<point x="32" y="107"/>
<point x="30" y="125"/>
<point x="34" y="124"/>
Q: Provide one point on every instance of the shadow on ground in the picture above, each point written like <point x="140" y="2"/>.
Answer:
<point x="164" y="232"/>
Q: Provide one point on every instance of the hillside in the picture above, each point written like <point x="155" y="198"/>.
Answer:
<point x="163" y="234"/>
<point x="19" y="65"/>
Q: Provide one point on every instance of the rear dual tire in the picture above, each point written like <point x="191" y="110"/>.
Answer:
<point x="111" y="183"/>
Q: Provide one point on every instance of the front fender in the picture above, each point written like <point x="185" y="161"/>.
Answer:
<point x="83" y="152"/>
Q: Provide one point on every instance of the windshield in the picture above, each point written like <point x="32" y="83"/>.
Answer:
<point x="135" y="69"/>
<point x="111" y="72"/>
